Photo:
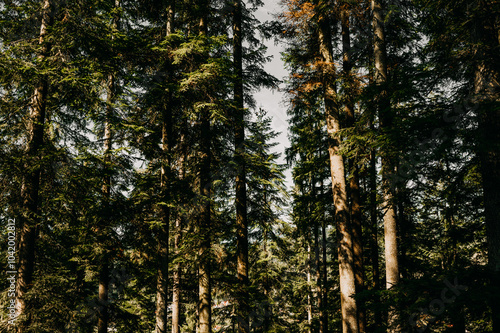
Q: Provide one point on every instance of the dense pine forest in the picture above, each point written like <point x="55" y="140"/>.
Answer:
<point x="143" y="189"/>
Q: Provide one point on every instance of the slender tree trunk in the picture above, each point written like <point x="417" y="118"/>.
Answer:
<point x="355" y="195"/>
<point x="374" y="234"/>
<point x="31" y="181"/>
<point x="241" y="195"/>
<point x="374" y="254"/>
<point x="323" y="312"/>
<point x="163" y="237"/>
<point x="176" y="275"/>
<point x="388" y="166"/>
<point x="164" y="232"/>
<point x="267" y="284"/>
<point x="317" y="264"/>
<point x="345" y="252"/>
<point x="104" y="265"/>
<point x="204" y="283"/>
<point x="103" y="313"/>
<point x="204" y="303"/>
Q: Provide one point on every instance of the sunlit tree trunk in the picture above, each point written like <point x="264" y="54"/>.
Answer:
<point x="388" y="166"/>
<point x="345" y="252"/>
<point x="355" y="195"/>
<point x="31" y="181"/>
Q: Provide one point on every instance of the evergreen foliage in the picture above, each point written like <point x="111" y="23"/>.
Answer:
<point x="128" y="128"/>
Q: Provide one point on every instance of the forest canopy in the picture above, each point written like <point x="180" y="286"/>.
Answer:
<point x="142" y="189"/>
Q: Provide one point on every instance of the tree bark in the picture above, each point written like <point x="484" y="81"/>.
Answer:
<point x="345" y="252"/>
<point x="355" y="194"/>
<point x="317" y="264"/>
<point x="164" y="231"/>
<point x="176" y="275"/>
<point x="30" y="187"/>
<point x="374" y="234"/>
<point x="241" y="196"/>
<point x="204" y="302"/>
<point x="104" y="269"/>
<point x="103" y="313"/>
<point x="388" y="166"/>
<point x="324" y="295"/>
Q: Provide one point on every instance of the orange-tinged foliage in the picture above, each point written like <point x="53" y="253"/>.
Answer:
<point x="298" y="12"/>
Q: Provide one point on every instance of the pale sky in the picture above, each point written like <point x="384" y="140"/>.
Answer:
<point x="273" y="100"/>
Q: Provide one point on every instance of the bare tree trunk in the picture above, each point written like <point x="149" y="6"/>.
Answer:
<point x="323" y="312"/>
<point x="176" y="275"/>
<point x="103" y="315"/>
<point x="241" y="195"/>
<point x="388" y="166"/>
<point x="353" y="166"/>
<point x="31" y="181"/>
<point x="205" y="300"/>
<point x="345" y="252"/>
<point x="104" y="269"/>
<point x="374" y="234"/>
<point x="164" y="232"/>
<point x="317" y="264"/>
<point x="163" y="236"/>
<point x="374" y="254"/>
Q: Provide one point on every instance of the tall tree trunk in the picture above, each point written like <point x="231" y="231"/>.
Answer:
<point x="163" y="236"/>
<point x="103" y="313"/>
<point x="164" y="232"/>
<point x="204" y="283"/>
<point x="241" y="195"/>
<point x="267" y="283"/>
<point x="374" y="254"/>
<point x="104" y="265"/>
<point x="324" y="295"/>
<point x="388" y="166"/>
<point x="487" y="101"/>
<point x="31" y="181"/>
<point x="176" y="279"/>
<point x="345" y="252"/>
<point x="204" y="302"/>
<point x="317" y="264"/>
<point x="374" y="233"/>
<point x="176" y="275"/>
<point x="355" y="195"/>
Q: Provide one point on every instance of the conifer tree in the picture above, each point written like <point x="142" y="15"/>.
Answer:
<point x="241" y="195"/>
<point x="31" y="181"/>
